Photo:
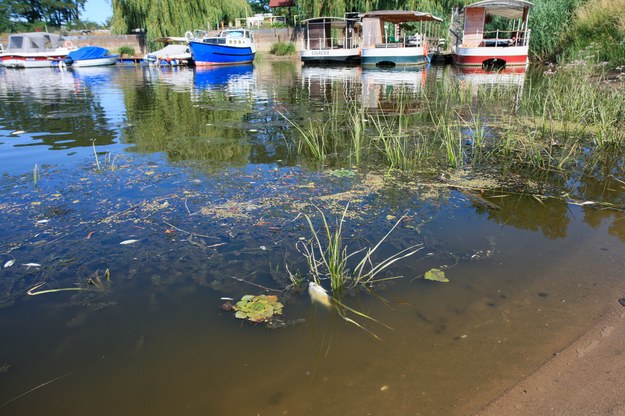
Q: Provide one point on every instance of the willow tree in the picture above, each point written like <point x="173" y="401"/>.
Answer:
<point x="174" y="17"/>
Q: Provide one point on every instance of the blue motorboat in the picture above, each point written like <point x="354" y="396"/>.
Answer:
<point x="229" y="47"/>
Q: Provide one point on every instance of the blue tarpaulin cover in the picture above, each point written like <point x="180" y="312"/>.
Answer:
<point x="88" y="52"/>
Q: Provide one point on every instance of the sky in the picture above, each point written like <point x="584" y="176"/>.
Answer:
<point x="97" y="11"/>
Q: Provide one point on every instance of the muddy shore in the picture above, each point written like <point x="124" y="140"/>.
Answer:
<point x="586" y="378"/>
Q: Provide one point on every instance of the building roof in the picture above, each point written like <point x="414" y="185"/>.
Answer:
<point x="281" y="3"/>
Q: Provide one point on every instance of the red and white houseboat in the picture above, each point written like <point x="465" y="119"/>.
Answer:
<point x="474" y="45"/>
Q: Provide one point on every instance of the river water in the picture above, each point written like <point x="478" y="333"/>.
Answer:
<point x="199" y="174"/>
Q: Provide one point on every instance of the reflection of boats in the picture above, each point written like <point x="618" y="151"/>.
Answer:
<point x="319" y="81"/>
<point x="176" y="52"/>
<point x="503" y="77"/>
<point x="381" y="87"/>
<point x="232" y="46"/>
<point x="397" y="37"/>
<point x="235" y="80"/>
<point x="35" y="50"/>
<point x="90" y="56"/>
<point x="331" y="40"/>
<point x="475" y="46"/>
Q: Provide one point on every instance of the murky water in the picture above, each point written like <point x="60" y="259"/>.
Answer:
<point x="202" y="170"/>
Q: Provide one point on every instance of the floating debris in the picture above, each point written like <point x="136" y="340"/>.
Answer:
<point x="436" y="275"/>
<point x="259" y="308"/>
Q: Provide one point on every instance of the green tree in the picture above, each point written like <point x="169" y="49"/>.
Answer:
<point x="174" y="17"/>
<point x="52" y="12"/>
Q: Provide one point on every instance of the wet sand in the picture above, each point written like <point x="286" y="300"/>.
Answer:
<point x="585" y="379"/>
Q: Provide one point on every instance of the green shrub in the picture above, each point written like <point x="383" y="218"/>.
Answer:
<point x="126" y="50"/>
<point x="282" y="48"/>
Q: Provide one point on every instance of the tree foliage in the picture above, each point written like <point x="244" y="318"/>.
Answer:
<point x="52" y="12"/>
<point x="174" y="17"/>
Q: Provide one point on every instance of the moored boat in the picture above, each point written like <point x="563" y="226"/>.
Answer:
<point x="176" y="52"/>
<point x="474" y="45"/>
<point x="331" y="40"/>
<point x="35" y="50"/>
<point x="89" y="56"/>
<point x="398" y="38"/>
<point x="228" y="47"/>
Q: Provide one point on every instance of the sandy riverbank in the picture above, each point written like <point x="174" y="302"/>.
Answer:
<point x="585" y="379"/>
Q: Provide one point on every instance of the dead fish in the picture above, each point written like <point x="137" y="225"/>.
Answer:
<point x="9" y="263"/>
<point x="319" y="294"/>
<point x="43" y="221"/>
<point x="29" y="265"/>
<point x="226" y="298"/>
<point x="17" y="132"/>
<point x="126" y="242"/>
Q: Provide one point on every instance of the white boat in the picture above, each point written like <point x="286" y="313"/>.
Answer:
<point x="176" y="52"/>
<point x="35" y="50"/>
<point x="89" y="56"/>
<point x="473" y="45"/>
<point x="398" y="38"/>
<point x="331" y="40"/>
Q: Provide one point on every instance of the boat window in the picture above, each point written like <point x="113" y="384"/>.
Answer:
<point x="15" y="43"/>
<point x="237" y="34"/>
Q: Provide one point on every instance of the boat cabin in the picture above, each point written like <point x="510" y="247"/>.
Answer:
<point x="34" y="42"/>
<point x="478" y="41"/>
<point x="331" y="39"/>
<point x="402" y="38"/>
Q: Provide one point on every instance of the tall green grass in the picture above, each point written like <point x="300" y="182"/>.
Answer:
<point x="597" y="33"/>
<point x="328" y="257"/>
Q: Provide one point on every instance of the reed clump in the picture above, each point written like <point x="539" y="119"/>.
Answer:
<point x="329" y="259"/>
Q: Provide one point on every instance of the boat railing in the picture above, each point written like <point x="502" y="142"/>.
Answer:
<point x="497" y="39"/>
<point x="331" y="43"/>
<point x="406" y="41"/>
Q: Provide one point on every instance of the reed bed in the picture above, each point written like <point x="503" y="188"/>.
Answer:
<point x="558" y="119"/>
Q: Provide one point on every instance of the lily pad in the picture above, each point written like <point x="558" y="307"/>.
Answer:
<point x="259" y="308"/>
<point x="436" y="275"/>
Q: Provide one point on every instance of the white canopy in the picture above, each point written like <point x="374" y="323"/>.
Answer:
<point x="399" y="16"/>
<point x="511" y="9"/>
<point x="33" y="42"/>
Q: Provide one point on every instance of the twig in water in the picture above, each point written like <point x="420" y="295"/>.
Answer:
<point x="188" y="232"/>
<point x="35" y="388"/>
<point x="255" y="284"/>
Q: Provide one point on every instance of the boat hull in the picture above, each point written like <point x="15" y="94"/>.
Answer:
<point x="478" y="57"/>
<point x="82" y="63"/>
<point x="32" y="60"/>
<point x="412" y="56"/>
<point x="340" y="56"/>
<point x="210" y="54"/>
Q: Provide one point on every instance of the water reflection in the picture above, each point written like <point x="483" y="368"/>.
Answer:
<point x="236" y="212"/>
<point x="57" y="110"/>
<point x="237" y="78"/>
<point x="386" y="89"/>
